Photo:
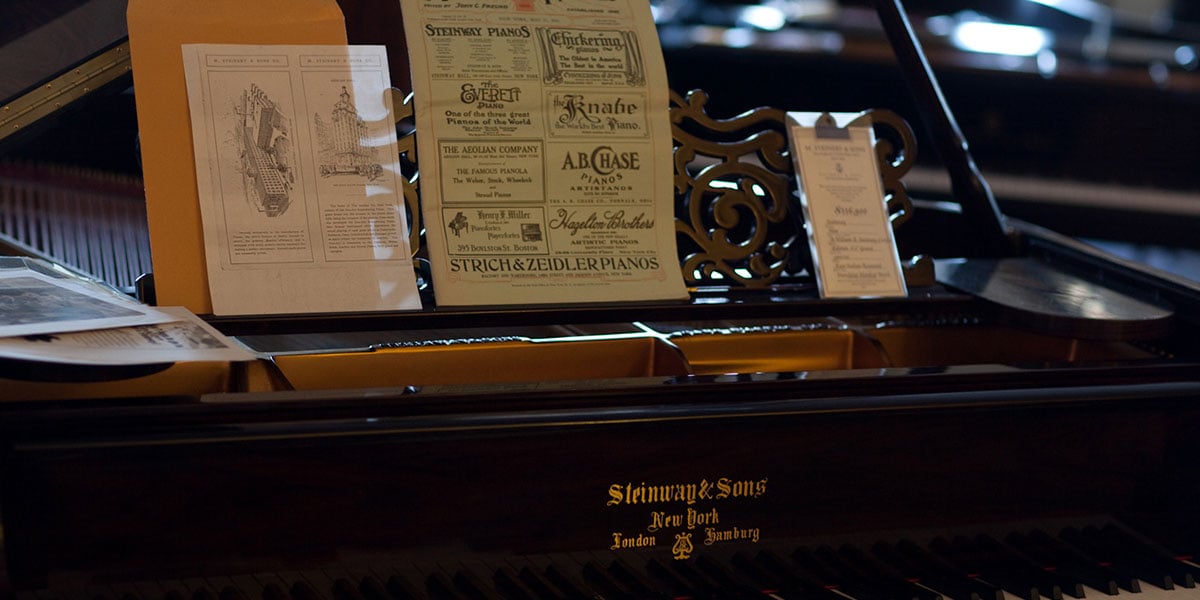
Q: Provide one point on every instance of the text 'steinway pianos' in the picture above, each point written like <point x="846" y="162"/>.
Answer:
<point x="1032" y="438"/>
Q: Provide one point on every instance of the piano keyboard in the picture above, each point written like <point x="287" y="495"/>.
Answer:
<point x="1079" y="562"/>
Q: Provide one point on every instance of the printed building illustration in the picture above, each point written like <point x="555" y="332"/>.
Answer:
<point x="343" y="141"/>
<point x="266" y="152"/>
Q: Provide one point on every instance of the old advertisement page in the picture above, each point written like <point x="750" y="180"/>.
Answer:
<point x="546" y="171"/>
<point x="299" y="179"/>
<point x="188" y="338"/>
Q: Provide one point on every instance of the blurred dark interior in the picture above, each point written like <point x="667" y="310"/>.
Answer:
<point x="1081" y="115"/>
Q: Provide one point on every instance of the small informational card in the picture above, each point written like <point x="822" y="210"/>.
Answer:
<point x="849" y="232"/>
<point x="32" y="303"/>
<point x="299" y="179"/>
<point x="187" y="338"/>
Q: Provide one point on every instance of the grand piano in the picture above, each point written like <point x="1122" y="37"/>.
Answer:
<point x="1025" y="424"/>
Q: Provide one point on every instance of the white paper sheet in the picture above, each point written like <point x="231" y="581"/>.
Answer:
<point x="186" y="338"/>
<point x="299" y="179"/>
<point x="32" y="303"/>
<point x="849" y="229"/>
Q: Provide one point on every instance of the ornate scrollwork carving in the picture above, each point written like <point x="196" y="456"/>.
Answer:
<point x="732" y="190"/>
<point x="896" y="150"/>
<point x="406" y="142"/>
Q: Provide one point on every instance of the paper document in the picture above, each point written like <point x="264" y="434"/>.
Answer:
<point x="299" y="179"/>
<point x="546" y="163"/>
<point x="33" y="303"/>
<point x="187" y="338"/>
<point x="846" y="215"/>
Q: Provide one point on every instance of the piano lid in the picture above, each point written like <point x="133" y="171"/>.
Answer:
<point x="53" y="53"/>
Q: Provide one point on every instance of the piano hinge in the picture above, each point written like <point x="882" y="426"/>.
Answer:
<point x="57" y="93"/>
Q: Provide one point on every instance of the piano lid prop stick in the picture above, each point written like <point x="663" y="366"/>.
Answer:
<point x="978" y="204"/>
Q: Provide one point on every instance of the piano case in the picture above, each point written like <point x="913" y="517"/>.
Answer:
<point x="969" y="441"/>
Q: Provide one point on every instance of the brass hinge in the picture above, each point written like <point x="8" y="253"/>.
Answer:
<point x="56" y="94"/>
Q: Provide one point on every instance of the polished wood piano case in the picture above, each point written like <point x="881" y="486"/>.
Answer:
<point x="755" y="441"/>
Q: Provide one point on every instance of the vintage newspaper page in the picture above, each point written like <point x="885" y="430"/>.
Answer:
<point x="186" y="339"/>
<point x="299" y="179"/>
<point x="32" y="303"/>
<point x="545" y="148"/>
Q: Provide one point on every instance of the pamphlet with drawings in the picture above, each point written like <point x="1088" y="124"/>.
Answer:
<point x="299" y="179"/>
<point x="55" y="317"/>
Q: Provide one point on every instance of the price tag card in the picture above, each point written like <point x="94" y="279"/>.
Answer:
<point x="845" y="212"/>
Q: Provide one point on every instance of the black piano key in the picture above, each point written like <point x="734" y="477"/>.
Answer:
<point x="203" y="593"/>
<point x="468" y="583"/>
<point x="1073" y="567"/>
<point x="273" y="591"/>
<point x="638" y="583"/>
<point x="794" y="581"/>
<point x="915" y="568"/>
<point x="1182" y="574"/>
<point x="894" y="584"/>
<point x="935" y="573"/>
<point x="155" y="590"/>
<point x="966" y="557"/>
<point x="571" y="586"/>
<point x="709" y="586"/>
<point x="343" y="589"/>
<point x="440" y="587"/>
<point x="303" y="590"/>
<point x="597" y="577"/>
<point x="544" y="589"/>
<point x="669" y="582"/>
<point x="232" y="593"/>
<point x="1088" y="540"/>
<point x="995" y="555"/>
<point x="761" y="578"/>
<point x="371" y="588"/>
<point x="101" y="593"/>
<point x="1061" y="546"/>
<point x="248" y="586"/>
<point x="1047" y="574"/>
<point x="401" y="588"/>
<point x="833" y="577"/>
<point x="509" y="584"/>
<point x="727" y="579"/>
<point x="126" y="592"/>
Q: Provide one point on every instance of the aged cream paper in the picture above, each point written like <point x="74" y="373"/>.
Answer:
<point x="841" y="192"/>
<point x="32" y="303"/>
<point x="299" y="179"/>
<point x="546" y="170"/>
<point x="188" y="338"/>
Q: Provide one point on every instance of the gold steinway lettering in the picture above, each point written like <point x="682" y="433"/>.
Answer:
<point x="687" y="493"/>
<point x="695" y="517"/>
<point x="713" y="536"/>
<point x="621" y="542"/>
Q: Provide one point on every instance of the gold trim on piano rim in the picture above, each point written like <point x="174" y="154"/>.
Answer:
<point x="65" y="89"/>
